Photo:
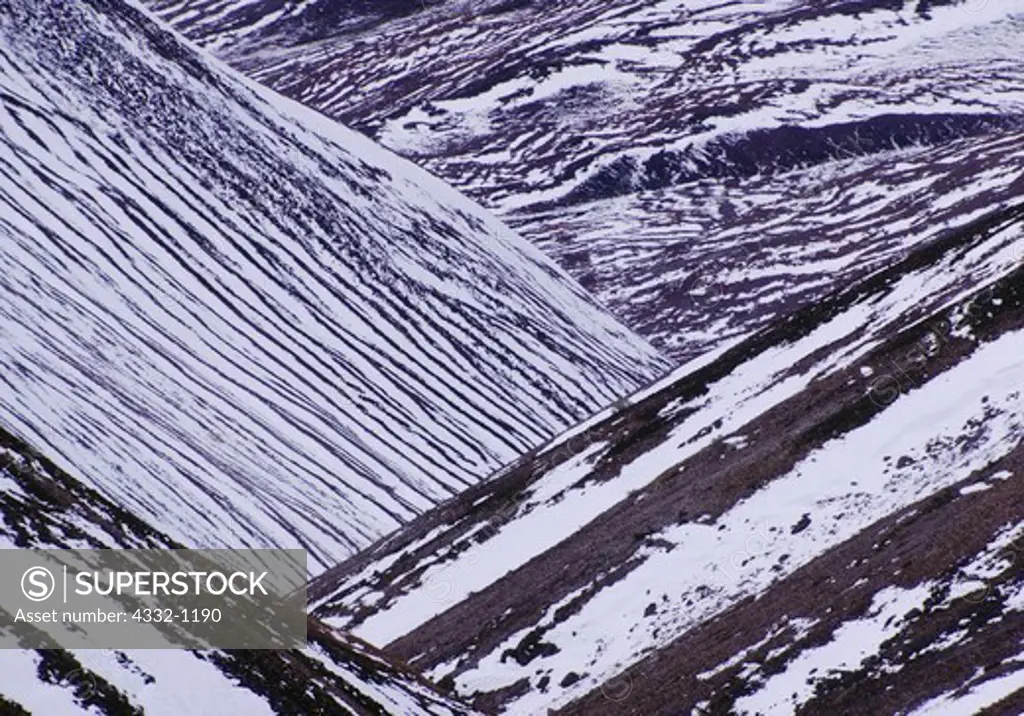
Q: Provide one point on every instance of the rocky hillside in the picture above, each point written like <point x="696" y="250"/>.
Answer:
<point x="236" y="323"/>
<point x="825" y="517"/>
<point x="43" y="507"/>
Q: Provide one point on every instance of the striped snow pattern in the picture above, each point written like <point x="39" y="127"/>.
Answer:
<point x="248" y="324"/>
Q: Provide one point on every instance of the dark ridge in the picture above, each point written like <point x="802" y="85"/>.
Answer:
<point x="60" y="667"/>
<point x="345" y="19"/>
<point x="335" y="19"/>
<point x="923" y="7"/>
<point x="297" y="685"/>
<point x="633" y="430"/>
<point x="707" y="483"/>
<point x="9" y="708"/>
<point x="929" y="540"/>
<point x="161" y="40"/>
<point x="51" y="491"/>
<point x="793" y="17"/>
<point x="287" y="680"/>
<point x="57" y="666"/>
<point x="293" y="683"/>
<point x="1012" y="705"/>
<point x="770" y="151"/>
<point x="710" y="482"/>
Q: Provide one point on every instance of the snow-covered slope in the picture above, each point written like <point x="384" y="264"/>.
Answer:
<point x="250" y="325"/>
<point x="43" y="507"/>
<point x="632" y="139"/>
<point x="823" y="518"/>
<point x="696" y="265"/>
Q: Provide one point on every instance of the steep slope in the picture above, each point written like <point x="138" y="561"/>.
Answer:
<point x="825" y="517"/>
<point x="632" y="139"/>
<point x="710" y="261"/>
<point x="44" y="507"/>
<point x="252" y="326"/>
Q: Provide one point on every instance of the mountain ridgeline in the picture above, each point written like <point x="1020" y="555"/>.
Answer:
<point x="701" y="167"/>
<point x="825" y="517"/>
<point x="43" y="507"/>
<point x="250" y="325"/>
<point x="784" y="474"/>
